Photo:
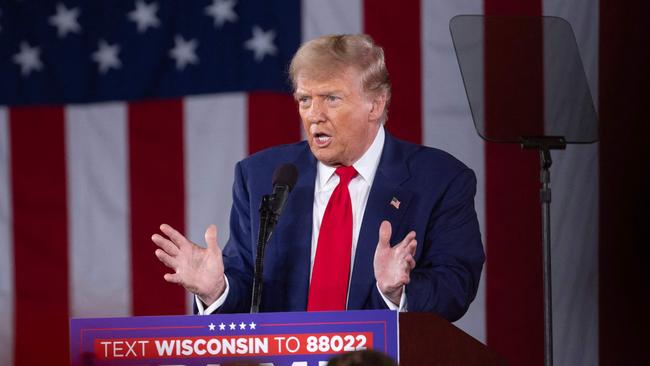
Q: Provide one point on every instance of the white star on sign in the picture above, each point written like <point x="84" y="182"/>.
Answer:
<point x="184" y="52"/>
<point x="144" y="15"/>
<point x="252" y="325"/>
<point x="211" y="326"/>
<point x="232" y="326"/>
<point x="222" y="326"/>
<point x="222" y="11"/>
<point x="261" y="43"/>
<point x="28" y="58"/>
<point x="242" y="325"/>
<point x="106" y="56"/>
<point x="65" y="20"/>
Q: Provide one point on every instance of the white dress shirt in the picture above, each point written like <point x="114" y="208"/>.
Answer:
<point x="326" y="182"/>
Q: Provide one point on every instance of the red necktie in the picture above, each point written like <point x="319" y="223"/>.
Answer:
<point x="329" y="280"/>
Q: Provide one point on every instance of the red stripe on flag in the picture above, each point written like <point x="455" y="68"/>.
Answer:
<point x="402" y="48"/>
<point x="157" y="196"/>
<point x="514" y="289"/>
<point x="272" y="120"/>
<point x="40" y="231"/>
<point x="624" y="76"/>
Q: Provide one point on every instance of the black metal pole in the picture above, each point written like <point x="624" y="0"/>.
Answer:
<point x="267" y="223"/>
<point x="545" y="196"/>
<point x="544" y="144"/>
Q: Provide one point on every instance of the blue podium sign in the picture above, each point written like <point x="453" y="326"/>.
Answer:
<point x="296" y="338"/>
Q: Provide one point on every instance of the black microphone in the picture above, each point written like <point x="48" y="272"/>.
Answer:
<point x="284" y="179"/>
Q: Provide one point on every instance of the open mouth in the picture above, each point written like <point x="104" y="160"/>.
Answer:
<point x="321" y="139"/>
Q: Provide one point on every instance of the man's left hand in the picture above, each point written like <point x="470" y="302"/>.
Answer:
<point x="393" y="265"/>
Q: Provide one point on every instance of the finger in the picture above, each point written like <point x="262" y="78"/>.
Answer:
<point x="177" y="238"/>
<point x="407" y="239"/>
<point x="172" y="278"/>
<point x="384" y="234"/>
<point x="410" y="263"/>
<point x="411" y="247"/>
<point x="211" y="237"/>
<point x="166" y="259"/>
<point x="168" y="246"/>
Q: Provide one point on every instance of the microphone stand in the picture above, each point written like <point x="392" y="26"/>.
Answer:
<point x="271" y="207"/>
<point x="268" y="219"/>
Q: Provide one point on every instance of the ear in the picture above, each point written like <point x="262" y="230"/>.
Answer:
<point x="378" y="103"/>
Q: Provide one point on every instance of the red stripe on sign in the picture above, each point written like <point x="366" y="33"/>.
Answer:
<point x="40" y="231"/>
<point x="272" y="120"/>
<point x="514" y="101"/>
<point x="157" y="196"/>
<point x="397" y="30"/>
<point x="624" y="77"/>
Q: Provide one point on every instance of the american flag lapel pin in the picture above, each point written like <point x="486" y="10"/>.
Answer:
<point x="395" y="203"/>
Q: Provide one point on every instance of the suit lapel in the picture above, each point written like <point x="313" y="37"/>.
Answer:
<point x="387" y="201"/>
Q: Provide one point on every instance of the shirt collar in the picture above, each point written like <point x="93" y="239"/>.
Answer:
<point x="366" y="166"/>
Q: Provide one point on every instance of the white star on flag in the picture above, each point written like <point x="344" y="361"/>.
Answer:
<point x="28" y="58"/>
<point x="261" y="43"/>
<point x="222" y="11"/>
<point x="222" y="326"/>
<point x="211" y="326"/>
<point x="65" y="20"/>
<point x="144" y="15"/>
<point x="242" y="325"/>
<point x="232" y="326"/>
<point x="252" y="325"/>
<point x="106" y="56"/>
<point x="184" y="52"/>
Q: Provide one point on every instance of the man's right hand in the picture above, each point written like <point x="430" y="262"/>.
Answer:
<point x="199" y="270"/>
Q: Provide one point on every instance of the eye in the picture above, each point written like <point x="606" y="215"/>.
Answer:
<point x="303" y="100"/>
<point x="332" y="98"/>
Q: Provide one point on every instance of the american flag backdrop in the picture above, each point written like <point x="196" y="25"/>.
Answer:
<point x="116" y="116"/>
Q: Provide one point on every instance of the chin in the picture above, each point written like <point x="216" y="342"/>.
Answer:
<point x="325" y="159"/>
<point x="326" y="156"/>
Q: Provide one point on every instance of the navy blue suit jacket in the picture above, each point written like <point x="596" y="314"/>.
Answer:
<point x="436" y="195"/>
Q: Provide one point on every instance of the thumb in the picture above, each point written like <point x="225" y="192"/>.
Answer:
<point x="384" y="234"/>
<point x="211" y="237"/>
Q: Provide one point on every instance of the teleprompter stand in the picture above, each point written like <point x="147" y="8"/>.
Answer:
<point x="544" y="145"/>
<point x="525" y="84"/>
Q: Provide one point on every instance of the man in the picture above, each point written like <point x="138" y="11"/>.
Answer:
<point x="347" y="236"/>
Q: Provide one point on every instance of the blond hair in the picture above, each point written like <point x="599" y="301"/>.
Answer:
<point x="330" y="55"/>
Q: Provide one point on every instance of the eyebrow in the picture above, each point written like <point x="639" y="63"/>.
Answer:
<point x="325" y="93"/>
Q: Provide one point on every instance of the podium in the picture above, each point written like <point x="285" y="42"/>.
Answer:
<point x="427" y="339"/>
<point x="294" y="338"/>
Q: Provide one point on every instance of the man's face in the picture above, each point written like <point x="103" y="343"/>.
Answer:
<point x="339" y="118"/>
